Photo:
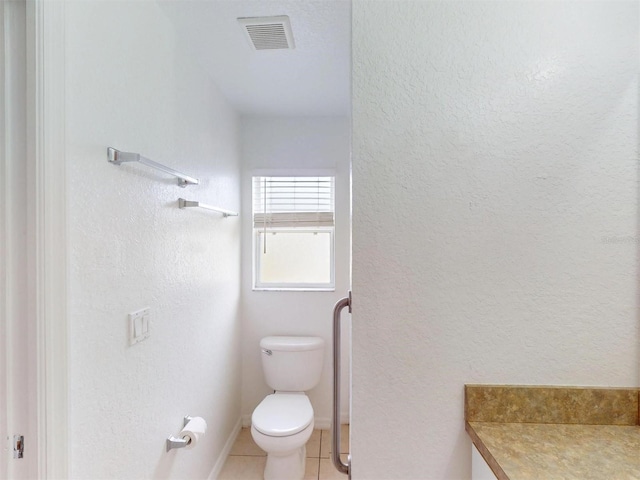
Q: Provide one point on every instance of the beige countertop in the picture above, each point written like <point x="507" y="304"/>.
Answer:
<point x="524" y="451"/>
<point x="555" y="432"/>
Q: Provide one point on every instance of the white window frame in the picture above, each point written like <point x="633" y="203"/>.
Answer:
<point x="298" y="286"/>
<point x="255" y="234"/>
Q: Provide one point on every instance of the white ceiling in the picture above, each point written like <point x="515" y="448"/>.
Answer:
<point x="311" y="80"/>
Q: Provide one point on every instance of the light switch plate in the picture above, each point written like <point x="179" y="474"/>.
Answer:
<point x="139" y="326"/>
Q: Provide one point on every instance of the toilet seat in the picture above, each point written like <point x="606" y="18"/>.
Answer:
<point x="282" y="414"/>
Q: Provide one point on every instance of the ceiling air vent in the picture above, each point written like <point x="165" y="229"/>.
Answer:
<point x="268" y="33"/>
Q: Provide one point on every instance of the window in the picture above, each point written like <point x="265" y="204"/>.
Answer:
<point x="293" y="228"/>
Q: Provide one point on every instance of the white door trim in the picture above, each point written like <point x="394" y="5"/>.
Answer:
<point x="3" y="249"/>
<point x="47" y="184"/>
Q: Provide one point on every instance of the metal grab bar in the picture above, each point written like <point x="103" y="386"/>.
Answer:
<point x="335" y="437"/>
<point x="117" y="157"/>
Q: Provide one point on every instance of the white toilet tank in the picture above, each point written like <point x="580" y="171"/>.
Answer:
<point x="292" y="364"/>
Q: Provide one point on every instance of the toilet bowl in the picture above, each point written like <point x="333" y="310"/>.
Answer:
<point x="283" y="422"/>
<point x="281" y="426"/>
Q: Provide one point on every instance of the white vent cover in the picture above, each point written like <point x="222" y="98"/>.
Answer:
<point x="268" y="33"/>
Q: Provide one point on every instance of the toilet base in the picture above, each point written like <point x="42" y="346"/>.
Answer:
<point x="287" y="467"/>
<point x="286" y="456"/>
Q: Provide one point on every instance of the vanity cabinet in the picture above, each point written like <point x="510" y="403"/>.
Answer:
<point x="479" y="468"/>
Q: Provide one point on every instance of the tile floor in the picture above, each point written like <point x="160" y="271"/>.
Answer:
<point x="246" y="461"/>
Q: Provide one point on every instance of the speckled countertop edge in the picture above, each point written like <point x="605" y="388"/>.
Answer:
<point x="486" y="454"/>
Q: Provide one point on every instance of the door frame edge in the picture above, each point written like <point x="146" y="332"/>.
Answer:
<point x="47" y="183"/>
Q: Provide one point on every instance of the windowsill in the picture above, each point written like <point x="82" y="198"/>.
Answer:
<point x="290" y="289"/>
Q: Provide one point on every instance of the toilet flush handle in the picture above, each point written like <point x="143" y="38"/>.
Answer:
<point x="267" y="351"/>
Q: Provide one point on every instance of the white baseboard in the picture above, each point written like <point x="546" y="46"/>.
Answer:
<point x="217" y="468"/>
<point x="246" y="420"/>
<point x="324" y="423"/>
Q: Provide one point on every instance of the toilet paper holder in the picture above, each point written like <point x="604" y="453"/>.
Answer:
<point x="174" y="442"/>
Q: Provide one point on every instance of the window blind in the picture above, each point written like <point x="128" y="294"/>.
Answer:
<point x="290" y="202"/>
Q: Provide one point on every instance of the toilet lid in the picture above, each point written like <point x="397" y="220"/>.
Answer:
<point x="282" y="414"/>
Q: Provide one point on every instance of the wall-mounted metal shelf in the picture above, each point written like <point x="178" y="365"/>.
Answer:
<point x="117" y="157"/>
<point x="182" y="203"/>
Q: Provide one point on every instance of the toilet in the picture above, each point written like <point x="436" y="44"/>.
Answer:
<point x="283" y="422"/>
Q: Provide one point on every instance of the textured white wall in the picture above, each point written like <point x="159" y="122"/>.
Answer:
<point x="283" y="144"/>
<point x="495" y="214"/>
<point x="130" y="87"/>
